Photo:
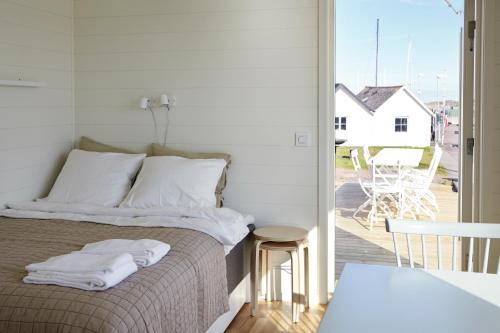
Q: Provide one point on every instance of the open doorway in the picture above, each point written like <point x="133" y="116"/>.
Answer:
<point x="397" y="122"/>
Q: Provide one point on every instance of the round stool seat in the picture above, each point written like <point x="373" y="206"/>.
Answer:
<point x="279" y="246"/>
<point x="280" y="234"/>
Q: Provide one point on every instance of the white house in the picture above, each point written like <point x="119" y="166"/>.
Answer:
<point x="382" y="116"/>
<point x="353" y="119"/>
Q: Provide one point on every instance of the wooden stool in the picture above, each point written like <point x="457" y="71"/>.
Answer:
<point x="281" y="238"/>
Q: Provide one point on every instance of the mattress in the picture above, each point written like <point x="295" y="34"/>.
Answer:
<point x="185" y="292"/>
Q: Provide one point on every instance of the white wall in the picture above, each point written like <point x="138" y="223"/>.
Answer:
<point x="36" y="124"/>
<point x="244" y="75"/>
<point x="358" y="122"/>
<point x="401" y="105"/>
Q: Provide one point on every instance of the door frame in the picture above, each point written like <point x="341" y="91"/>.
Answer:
<point x="326" y="153"/>
<point x="470" y="207"/>
<point x="469" y="172"/>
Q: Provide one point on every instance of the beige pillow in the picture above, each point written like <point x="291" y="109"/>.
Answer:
<point x="158" y="150"/>
<point x="90" y="145"/>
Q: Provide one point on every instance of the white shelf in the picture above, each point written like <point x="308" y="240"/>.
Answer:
<point x="21" y="83"/>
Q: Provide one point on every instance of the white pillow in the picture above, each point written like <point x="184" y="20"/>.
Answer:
<point x="175" y="181"/>
<point x="102" y="179"/>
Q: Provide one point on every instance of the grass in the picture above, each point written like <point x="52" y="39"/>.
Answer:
<point x="343" y="160"/>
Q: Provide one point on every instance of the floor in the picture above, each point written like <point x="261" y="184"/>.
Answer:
<point x="275" y="317"/>
<point x="354" y="243"/>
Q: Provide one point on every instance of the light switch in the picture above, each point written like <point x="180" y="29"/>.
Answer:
<point x="302" y="139"/>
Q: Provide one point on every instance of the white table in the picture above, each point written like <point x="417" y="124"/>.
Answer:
<point x="371" y="298"/>
<point x="407" y="157"/>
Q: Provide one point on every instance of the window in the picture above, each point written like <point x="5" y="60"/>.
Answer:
<point x="401" y="124"/>
<point x="341" y="123"/>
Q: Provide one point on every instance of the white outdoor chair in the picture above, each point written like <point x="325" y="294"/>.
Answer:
<point x="380" y="192"/>
<point x="486" y="231"/>
<point x="427" y="174"/>
<point x="417" y="197"/>
<point x="366" y="155"/>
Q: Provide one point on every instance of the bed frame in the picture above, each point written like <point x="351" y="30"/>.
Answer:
<point x="239" y="296"/>
<point x="238" y="273"/>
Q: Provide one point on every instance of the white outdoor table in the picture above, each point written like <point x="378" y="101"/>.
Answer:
<point x="407" y="157"/>
<point x="371" y="298"/>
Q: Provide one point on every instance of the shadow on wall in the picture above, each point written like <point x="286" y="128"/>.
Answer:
<point x="51" y="178"/>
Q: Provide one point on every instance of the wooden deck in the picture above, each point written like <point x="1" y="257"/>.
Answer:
<point x="356" y="243"/>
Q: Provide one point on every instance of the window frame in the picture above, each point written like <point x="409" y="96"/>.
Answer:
<point x="341" y="123"/>
<point x="402" y="125"/>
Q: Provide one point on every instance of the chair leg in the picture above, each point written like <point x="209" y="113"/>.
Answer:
<point x="255" y="277"/>
<point x="360" y="208"/>
<point x="373" y="216"/>
<point x="295" y="285"/>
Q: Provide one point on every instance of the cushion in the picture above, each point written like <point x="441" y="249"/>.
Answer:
<point x="95" y="178"/>
<point x="172" y="181"/>
<point x="88" y="144"/>
<point x="158" y="150"/>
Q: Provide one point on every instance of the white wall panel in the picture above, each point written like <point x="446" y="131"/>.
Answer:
<point x="59" y="8"/>
<point x="31" y="17"/>
<point x="36" y="124"/>
<point x="117" y="8"/>
<point x="201" y="21"/>
<point x="13" y="33"/>
<point x="245" y="78"/>
<point x="198" y="59"/>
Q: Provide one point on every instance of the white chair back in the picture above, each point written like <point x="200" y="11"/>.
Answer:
<point x="436" y="158"/>
<point x="415" y="188"/>
<point x="486" y="231"/>
<point x="355" y="160"/>
<point x="357" y="168"/>
<point x="366" y="154"/>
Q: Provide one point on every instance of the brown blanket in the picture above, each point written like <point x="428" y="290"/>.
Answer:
<point x="184" y="292"/>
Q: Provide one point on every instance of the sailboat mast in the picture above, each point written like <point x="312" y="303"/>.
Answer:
<point x="408" y="64"/>
<point x="376" y="54"/>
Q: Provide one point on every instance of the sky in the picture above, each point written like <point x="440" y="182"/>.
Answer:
<point x="428" y="28"/>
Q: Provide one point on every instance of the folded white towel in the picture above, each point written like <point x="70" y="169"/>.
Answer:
<point x="82" y="271"/>
<point x="146" y="252"/>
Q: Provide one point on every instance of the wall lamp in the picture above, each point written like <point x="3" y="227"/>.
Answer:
<point x="148" y="102"/>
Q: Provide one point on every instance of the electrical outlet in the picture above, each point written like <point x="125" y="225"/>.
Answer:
<point x="302" y="139"/>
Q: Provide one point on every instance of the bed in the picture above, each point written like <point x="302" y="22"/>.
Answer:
<point x="187" y="291"/>
<point x="172" y="197"/>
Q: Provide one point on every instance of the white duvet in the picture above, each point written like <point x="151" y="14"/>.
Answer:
<point x="224" y="224"/>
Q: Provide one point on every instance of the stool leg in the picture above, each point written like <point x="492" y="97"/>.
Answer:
<point x="276" y="283"/>
<point x="269" y="283"/>
<point x="255" y="277"/>
<point x="263" y="274"/>
<point x="295" y="285"/>
<point x="302" y="275"/>
<point x="306" y="275"/>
